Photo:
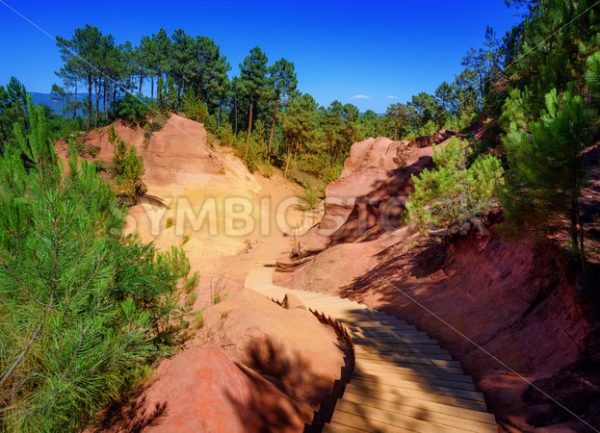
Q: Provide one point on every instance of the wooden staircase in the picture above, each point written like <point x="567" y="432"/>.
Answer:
<point x="403" y="380"/>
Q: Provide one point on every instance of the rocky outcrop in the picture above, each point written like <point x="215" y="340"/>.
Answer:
<point x="376" y="170"/>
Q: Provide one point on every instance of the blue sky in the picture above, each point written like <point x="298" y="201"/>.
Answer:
<point x="370" y="53"/>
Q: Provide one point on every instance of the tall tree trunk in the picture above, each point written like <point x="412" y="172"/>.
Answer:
<point x="235" y="115"/>
<point x="577" y="235"/>
<point x="288" y="160"/>
<point x="272" y="133"/>
<point x="152" y="87"/>
<point x="140" y="85"/>
<point x="97" y="89"/>
<point x="114" y="99"/>
<point x="89" y="101"/>
<point x="159" y="90"/>
<point x="75" y="102"/>
<point x="104" y="99"/>
<point x="249" y="129"/>
<point x="574" y="222"/>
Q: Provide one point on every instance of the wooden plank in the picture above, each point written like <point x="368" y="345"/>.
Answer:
<point x="413" y="382"/>
<point x="393" y="403"/>
<point x="374" y="388"/>
<point x="408" y="361"/>
<point x="362" y="423"/>
<point x="419" y="421"/>
<point x="386" y="331"/>
<point x="411" y="370"/>
<point x="406" y="339"/>
<point x="366" y="320"/>
<point x="335" y="427"/>
<point x="403" y="349"/>
<point x="393" y="380"/>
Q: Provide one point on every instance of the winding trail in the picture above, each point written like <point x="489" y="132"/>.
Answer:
<point x="403" y="380"/>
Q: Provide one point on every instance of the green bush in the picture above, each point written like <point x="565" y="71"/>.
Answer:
<point x="198" y="321"/>
<point x="132" y="110"/>
<point x="193" y="108"/>
<point x="127" y="169"/>
<point x="452" y="193"/>
<point x="266" y="169"/>
<point x="309" y="198"/>
<point x="211" y="124"/>
<point x="226" y="135"/>
<point x="191" y="283"/>
<point x="176" y="261"/>
<point x="319" y="165"/>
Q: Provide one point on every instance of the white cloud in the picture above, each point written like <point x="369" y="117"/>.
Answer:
<point x="392" y="97"/>
<point x="361" y="97"/>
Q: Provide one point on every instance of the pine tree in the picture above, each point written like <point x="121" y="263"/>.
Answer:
<point x="253" y="82"/>
<point x="545" y="177"/>
<point x="453" y="193"/>
<point x="82" y="310"/>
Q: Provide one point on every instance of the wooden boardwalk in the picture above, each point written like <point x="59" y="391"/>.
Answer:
<point x="403" y="380"/>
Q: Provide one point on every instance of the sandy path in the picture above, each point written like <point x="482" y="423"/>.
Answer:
<point x="267" y="244"/>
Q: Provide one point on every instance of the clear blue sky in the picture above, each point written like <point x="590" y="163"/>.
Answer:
<point x="380" y="49"/>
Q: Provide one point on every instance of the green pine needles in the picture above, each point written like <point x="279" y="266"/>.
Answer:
<point x="82" y="310"/>
<point x="453" y="193"/>
<point x="545" y="176"/>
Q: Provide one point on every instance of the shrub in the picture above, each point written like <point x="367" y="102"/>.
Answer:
<point x="453" y="193"/>
<point x="127" y="169"/>
<point x="193" y="108"/>
<point x="191" y="300"/>
<point x="132" y="110"/>
<point x="211" y="124"/>
<point x="319" y="165"/>
<point x="226" y="135"/>
<point x="249" y="153"/>
<point x="176" y="261"/>
<point x="266" y="169"/>
<point x="331" y="173"/>
<point x="198" y="321"/>
<point x="191" y="283"/>
<point x="218" y="297"/>
<point x="309" y="198"/>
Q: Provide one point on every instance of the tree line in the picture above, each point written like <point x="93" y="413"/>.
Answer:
<point x="261" y="105"/>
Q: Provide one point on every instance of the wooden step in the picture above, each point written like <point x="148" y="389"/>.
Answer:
<point x="425" y="386"/>
<point x="408" y="361"/>
<point x="362" y="346"/>
<point x="359" y="386"/>
<point x="393" y="402"/>
<point x="392" y="339"/>
<point x="411" y="370"/>
<point x="384" y="322"/>
<point x="419" y="420"/>
<point x="385" y="331"/>
<point x="395" y="378"/>
<point x="335" y="427"/>
<point x="366" y="424"/>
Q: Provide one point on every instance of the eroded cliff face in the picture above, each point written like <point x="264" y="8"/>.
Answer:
<point x="505" y="308"/>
